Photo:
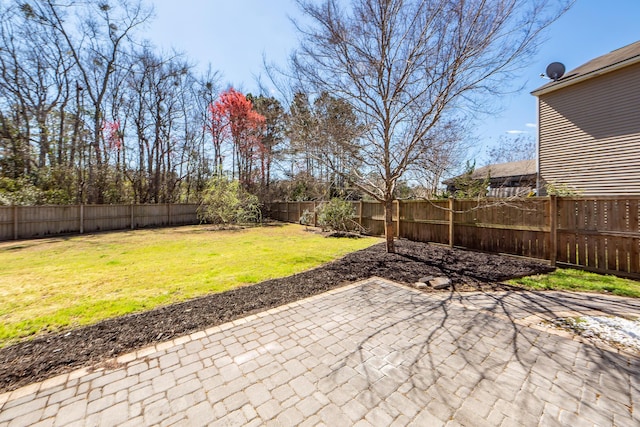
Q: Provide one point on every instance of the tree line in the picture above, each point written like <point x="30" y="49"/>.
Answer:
<point x="91" y="112"/>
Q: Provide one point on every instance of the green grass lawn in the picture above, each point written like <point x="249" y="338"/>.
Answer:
<point x="57" y="283"/>
<point x="578" y="280"/>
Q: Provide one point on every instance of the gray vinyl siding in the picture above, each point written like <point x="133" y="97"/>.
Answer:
<point x="590" y="134"/>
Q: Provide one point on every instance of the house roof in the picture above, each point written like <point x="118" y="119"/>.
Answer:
<point x="504" y="170"/>
<point x="614" y="60"/>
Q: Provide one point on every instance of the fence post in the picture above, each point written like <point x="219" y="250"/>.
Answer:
<point x="315" y="214"/>
<point x="398" y="218"/>
<point x="299" y="213"/>
<point x="169" y="213"/>
<point x="360" y="213"/>
<point x="15" y="222"/>
<point x="553" y="229"/>
<point x="451" y="213"/>
<point x="132" y="223"/>
<point x="81" y="218"/>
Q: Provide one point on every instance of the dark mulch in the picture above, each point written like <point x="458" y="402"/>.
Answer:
<point x="53" y="354"/>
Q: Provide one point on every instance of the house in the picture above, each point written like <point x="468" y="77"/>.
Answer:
<point x="504" y="179"/>
<point x="589" y="126"/>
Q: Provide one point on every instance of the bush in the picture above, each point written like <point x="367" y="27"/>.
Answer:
<point x="22" y="192"/>
<point x="306" y="218"/>
<point x="337" y="215"/>
<point x="226" y="202"/>
<point x="561" y="190"/>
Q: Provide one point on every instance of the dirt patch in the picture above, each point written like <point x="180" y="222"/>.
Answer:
<point x="54" y="354"/>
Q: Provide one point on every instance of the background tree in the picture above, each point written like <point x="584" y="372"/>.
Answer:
<point x="512" y="149"/>
<point x="245" y="127"/>
<point x="90" y="113"/>
<point x="159" y="87"/>
<point x="319" y="134"/>
<point x="337" y="130"/>
<point x="271" y="136"/>
<point x="96" y="46"/>
<point x="219" y="128"/>
<point x="405" y="66"/>
<point x="442" y="156"/>
<point x="34" y="78"/>
<point x="301" y="126"/>
<point x="468" y="187"/>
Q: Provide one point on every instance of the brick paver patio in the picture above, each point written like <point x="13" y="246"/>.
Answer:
<point x="373" y="353"/>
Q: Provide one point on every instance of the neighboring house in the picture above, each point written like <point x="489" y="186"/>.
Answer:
<point x="589" y="126"/>
<point x="505" y="179"/>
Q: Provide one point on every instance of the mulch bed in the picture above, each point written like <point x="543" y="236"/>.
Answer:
<point x="53" y="354"/>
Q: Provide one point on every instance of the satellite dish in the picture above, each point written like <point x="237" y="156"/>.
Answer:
<point x="555" y="70"/>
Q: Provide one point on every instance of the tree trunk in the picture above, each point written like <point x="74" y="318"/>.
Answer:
<point x="389" y="226"/>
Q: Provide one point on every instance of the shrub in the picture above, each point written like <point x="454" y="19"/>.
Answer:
<point x="468" y="187"/>
<point x="561" y="190"/>
<point x="226" y="202"/>
<point x="23" y="192"/>
<point x="337" y="215"/>
<point x="306" y="218"/>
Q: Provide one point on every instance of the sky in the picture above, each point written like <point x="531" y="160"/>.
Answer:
<point x="235" y="36"/>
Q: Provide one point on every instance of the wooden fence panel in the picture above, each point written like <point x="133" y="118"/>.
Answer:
<point x="7" y="222"/>
<point x="274" y="211"/>
<point x="184" y="214"/>
<point x="425" y="220"/>
<point x="38" y="221"/>
<point x="601" y="233"/>
<point x="151" y="215"/>
<point x="634" y="226"/>
<point x="373" y="218"/>
<point x="106" y="217"/>
<point x="25" y="222"/>
<point x="292" y="212"/>
<point x="515" y="227"/>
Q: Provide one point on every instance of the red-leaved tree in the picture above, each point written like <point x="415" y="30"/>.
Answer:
<point x="112" y="134"/>
<point x="233" y="115"/>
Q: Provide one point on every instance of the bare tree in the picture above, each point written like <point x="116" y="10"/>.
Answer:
<point x="90" y="113"/>
<point x="512" y="149"/>
<point x="444" y="155"/>
<point x="96" y="44"/>
<point x="407" y="65"/>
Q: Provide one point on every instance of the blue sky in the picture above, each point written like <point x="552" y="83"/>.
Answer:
<point x="234" y="35"/>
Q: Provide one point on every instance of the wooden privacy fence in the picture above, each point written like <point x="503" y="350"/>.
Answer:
<point x="600" y="234"/>
<point x="25" y="222"/>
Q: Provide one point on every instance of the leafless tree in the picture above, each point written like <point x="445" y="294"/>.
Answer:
<point x="158" y="89"/>
<point x="512" y="148"/>
<point x="91" y="113"/>
<point x="95" y="36"/>
<point x="405" y="66"/>
<point x="33" y="79"/>
<point x="444" y="155"/>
